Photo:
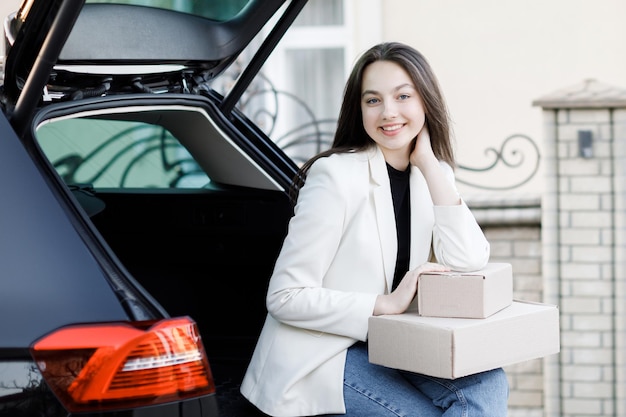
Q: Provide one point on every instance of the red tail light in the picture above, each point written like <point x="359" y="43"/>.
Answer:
<point x="120" y="365"/>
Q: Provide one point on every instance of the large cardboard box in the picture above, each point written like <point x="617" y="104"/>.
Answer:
<point x="476" y="294"/>
<point x="455" y="347"/>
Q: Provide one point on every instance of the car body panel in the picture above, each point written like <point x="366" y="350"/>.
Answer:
<point x="41" y="252"/>
<point x="234" y="224"/>
<point x="126" y="34"/>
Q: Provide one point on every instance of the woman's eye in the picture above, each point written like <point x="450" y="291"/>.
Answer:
<point x="404" y="96"/>
<point x="371" y="100"/>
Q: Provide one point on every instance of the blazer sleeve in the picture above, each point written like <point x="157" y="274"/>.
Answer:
<point x="297" y="294"/>
<point x="458" y="240"/>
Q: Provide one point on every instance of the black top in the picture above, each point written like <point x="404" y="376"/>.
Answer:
<point x="401" y="204"/>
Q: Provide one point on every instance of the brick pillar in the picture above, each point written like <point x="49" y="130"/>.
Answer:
<point x="584" y="247"/>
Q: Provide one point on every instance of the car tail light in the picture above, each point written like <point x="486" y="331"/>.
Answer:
<point x="109" y="366"/>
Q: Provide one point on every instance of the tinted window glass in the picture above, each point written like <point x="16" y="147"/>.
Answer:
<point x="217" y="10"/>
<point x="118" y="154"/>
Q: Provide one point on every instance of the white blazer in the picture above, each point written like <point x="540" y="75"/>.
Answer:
<point x="339" y="254"/>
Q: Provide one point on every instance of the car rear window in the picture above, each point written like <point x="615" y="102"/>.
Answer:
<point x="216" y="10"/>
<point x="118" y="154"/>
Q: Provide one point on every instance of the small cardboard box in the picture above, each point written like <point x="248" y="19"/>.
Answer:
<point x="476" y="294"/>
<point x="455" y="347"/>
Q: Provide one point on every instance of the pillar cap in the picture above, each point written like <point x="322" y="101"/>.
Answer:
<point x="590" y="94"/>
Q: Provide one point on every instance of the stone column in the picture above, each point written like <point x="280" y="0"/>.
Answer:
<point x="584" y="247"/>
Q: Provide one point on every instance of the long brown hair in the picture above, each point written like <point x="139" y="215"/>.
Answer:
<point x="350" y="135"/>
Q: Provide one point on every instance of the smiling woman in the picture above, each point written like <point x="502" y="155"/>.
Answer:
<point x="372" y="213"/>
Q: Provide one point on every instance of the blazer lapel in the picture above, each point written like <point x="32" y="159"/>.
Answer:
<point x="385" y="217"/>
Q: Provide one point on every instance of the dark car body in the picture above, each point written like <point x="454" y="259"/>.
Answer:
<point x="115" y="266"/>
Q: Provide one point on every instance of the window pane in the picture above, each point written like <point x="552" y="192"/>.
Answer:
<point x="321" y="13"/>
<point x="317" y="77"/>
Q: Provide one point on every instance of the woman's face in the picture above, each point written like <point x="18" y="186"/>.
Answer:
<point x="393" y="112"/>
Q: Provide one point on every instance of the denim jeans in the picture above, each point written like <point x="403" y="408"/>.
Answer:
<point x="372" y="390"/>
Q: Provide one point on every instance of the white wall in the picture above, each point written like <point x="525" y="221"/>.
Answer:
<point x="494" y="58"/>
<point x="7" y="7"/>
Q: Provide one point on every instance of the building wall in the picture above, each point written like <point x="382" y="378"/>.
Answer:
<point x="7" y="7"/>
<point x="518" y="242"/>
<point x="574" y="256"/>
<point x="583" y="248"/>
<point x="521" y="247"/>
<point x="494" y="58"/>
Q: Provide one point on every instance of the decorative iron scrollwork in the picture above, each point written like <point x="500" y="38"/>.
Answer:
<point x="514" y="164"/>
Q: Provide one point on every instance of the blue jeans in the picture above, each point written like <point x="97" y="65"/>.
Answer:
<point x="372" y="390"/>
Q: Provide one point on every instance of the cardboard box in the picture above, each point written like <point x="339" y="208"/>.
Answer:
<point x="455" y="347"/>
<point x="476" y="294"/>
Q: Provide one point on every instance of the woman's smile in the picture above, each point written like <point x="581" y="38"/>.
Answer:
<point x="392" y="128"/>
